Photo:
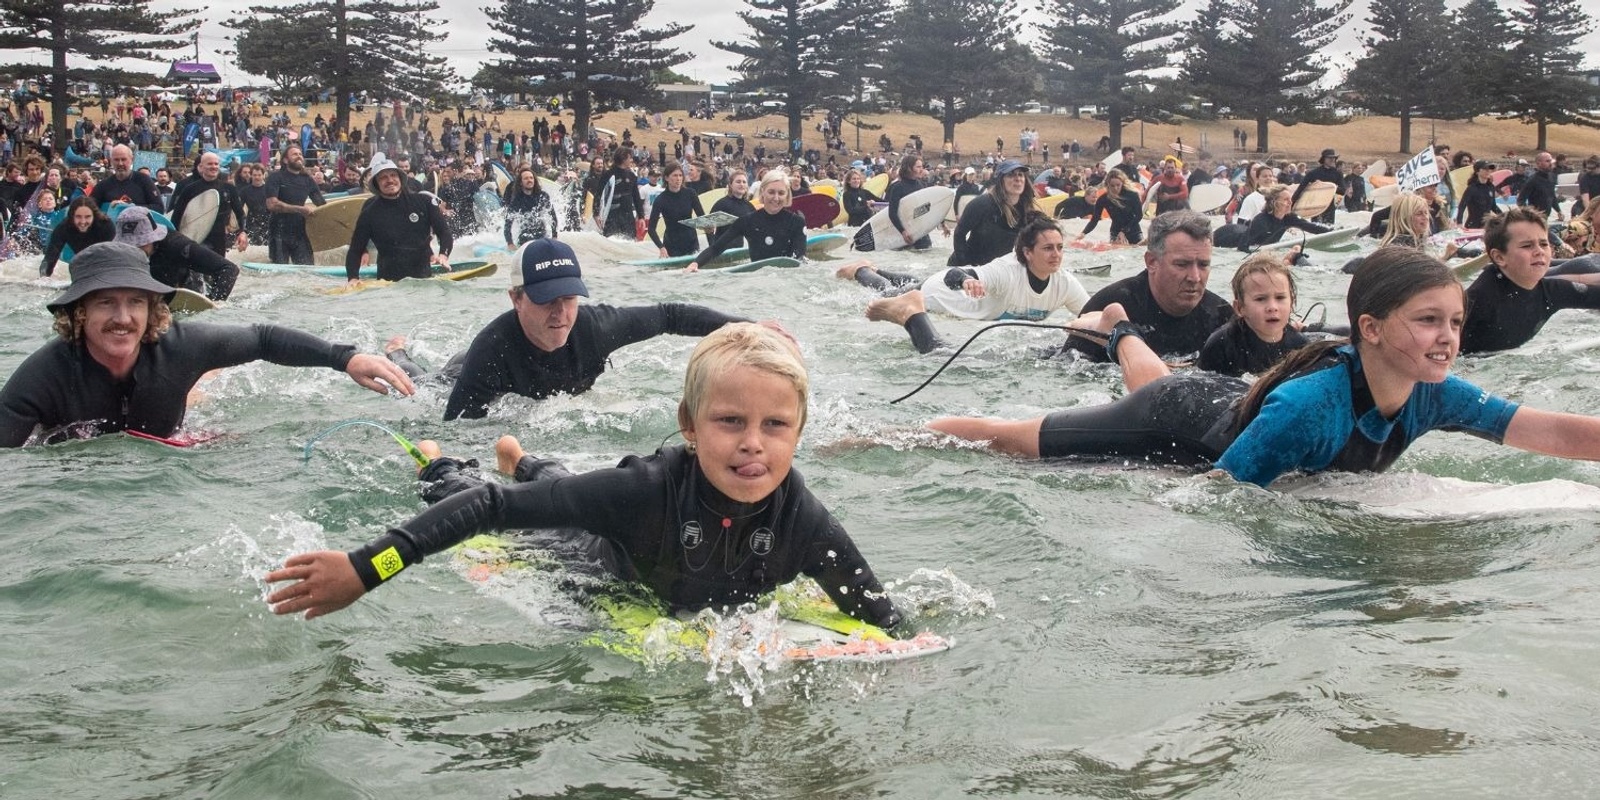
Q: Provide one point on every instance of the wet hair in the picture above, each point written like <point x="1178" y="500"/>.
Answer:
<point x="1273" y="192"/>
<point x="906" y="165"/>
<point x="85" y="201"/>
<point x="1404" y="205"/>
<point x="1114" y="198"/>
<point x="70" y="320"/>
<point x="735" y="345"/>
<point x="1028" y="235"/>
<point x="1193" y="225"/>
<point x="515" y="186"/>
<point x="1262" y="264"/>
<point x="1497" y="228"/>
<point x="1385" y="281"/>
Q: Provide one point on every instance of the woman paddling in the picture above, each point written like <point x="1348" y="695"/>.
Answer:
<point x="1268" y="227"/>
<point x="771" y="230"/>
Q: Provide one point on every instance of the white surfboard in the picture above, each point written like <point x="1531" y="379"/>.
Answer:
<point x="1208" y="197"/>
<point x="603" y="205"/>
<point x="1375" y="169"/>
<point x="1383" y="196"/>
<point x="920" y="212"/>
<point x="200" y="215"/>
<point x="1416" y="496"/>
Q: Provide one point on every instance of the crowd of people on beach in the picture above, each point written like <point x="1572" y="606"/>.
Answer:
<point x="1342" y="397"/>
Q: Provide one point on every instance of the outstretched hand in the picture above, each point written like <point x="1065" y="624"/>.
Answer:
<point x="324" y="582"/>
<point x="379" y="374"/>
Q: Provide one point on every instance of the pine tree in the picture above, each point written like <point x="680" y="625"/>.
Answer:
<point x="1482" y="33"/>
<point x="596" y="54"/>
<point x="1259" y="57"/>
<point x="1100" y="52"/>
<point x="86" y="30"/>
<point x="803" y="50"/>
<point x="1546" y="88"/>
<point x="956" y="59"/>
<point x="376" y="46"/>
<point x="1405" y="70"/>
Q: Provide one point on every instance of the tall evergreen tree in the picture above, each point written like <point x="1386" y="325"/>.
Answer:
<point x="1481" y="35"/>
<point x="95" y="31"/>
<point x="1406" y="68"/>
<point x="1546" y="87"/>
<point x="1260" y="57"/>
<point x="956" y="59"/>
<point x="377" y="46"/>
<point x="804" y="50"/>
<point x="597" y="54"/>
<point x="1100" y="52"/>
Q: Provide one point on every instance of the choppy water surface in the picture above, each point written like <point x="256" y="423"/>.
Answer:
<point x="1119" y="632"/>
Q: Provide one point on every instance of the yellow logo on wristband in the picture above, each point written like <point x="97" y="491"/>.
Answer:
<point x="387" y="563"/>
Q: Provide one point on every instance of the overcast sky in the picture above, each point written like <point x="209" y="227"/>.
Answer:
<point x="467" y="26"/>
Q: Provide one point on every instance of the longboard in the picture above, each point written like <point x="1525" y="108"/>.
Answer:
<point x="754" y="266"/>
<point x="1315" y="199"/>
<point x="920" y="212"/>
<point x="464" y="273"/>
<point x="332" y="224"/>
<point x="471" y="269"/>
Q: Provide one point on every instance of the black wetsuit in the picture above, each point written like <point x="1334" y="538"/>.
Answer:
<point x="228" y="202"/>
<point x="627" y="207"/>
<point x="457" y="195"/>
<point x="691" y="545"/>
<point x="529" y="216"/>
<point x="728" y="204"/>
<point x="138" y="189"/>
<point x="1186" y="418"/>
<point x="287" y="242"/>
<point x="674" y="207"/>
<point x="401" y="228"/>
<point x="1267" y="229"/>
<point x="1124" y="219"/>
<point x="1502" y="315"/>
<point x="177" y="260"/>
<point x="768" y="235"/>
<point x="257" y="219"/>
<point x="857" y="203"/>
<point x="501" y="360"/>
<point x="982" y="234"/>
<point x="1476" y="203"/>
<point x="1235" y="349"/>
<point x="1168" y="335"/>
<point x="60" y="384"/>
<point x="101" y="230"/>
<point x="1539" y="192"/>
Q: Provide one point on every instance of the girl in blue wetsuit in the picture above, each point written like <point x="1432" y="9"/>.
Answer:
<point x="1352" y="407"/>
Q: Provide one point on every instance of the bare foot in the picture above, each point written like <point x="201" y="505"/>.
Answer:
<point x="429" y="448"/>
<point x="897" y="309"/>
<point x="394" y="343"/>
<point x="507" y="452"/>
<point x="848" y="271"/>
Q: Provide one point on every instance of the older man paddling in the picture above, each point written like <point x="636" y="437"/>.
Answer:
<point x="122" y="364"/>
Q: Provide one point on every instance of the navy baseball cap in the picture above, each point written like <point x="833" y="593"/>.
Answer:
<point x="549" y="270"/>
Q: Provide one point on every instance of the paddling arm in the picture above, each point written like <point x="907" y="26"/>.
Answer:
<point x="1554" y="433"/>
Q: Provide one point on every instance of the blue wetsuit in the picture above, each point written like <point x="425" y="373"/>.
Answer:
<point x="1326" y="420"/>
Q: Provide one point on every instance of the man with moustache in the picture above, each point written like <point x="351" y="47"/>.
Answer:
<point x="1169" y="299"/>
<point x="124" y="185"/>
<point x="400" y="223"/>
<point x="288" y="191"/>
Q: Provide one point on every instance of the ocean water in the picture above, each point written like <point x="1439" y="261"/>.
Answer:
<point x="1118" y="631"/>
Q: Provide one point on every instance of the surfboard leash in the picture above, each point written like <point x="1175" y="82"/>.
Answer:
<point x="411" y="449"/>
<point x="974" y="337"/>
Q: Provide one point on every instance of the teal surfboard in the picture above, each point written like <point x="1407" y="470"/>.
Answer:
<point x="815" y="246"/>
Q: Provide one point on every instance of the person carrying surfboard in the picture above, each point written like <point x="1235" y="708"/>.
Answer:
<point x="1329" y="406"/>
<point x="121" y="363"/>
<point x="175" y="259"/>
<point x="225" y="209"/>
<point x="770" y="231"/>
<point x="718" y="521"/>
<point x="1326" y="171"/>
<point x="291" y="197"/>
<point x="400" y="223"/>
<point x="548" y="344"/>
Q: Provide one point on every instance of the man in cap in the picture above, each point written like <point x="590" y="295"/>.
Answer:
<point x="122" y="364"/>
<point x="289" y="192"/>
<point x="547" y="344"/>
<point x="229" y="222"/>
<point x="400" y="222"/>
<point x="124" y="185"/>
<point x="175" y="259"/>
<point x="1327" y="171"/>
